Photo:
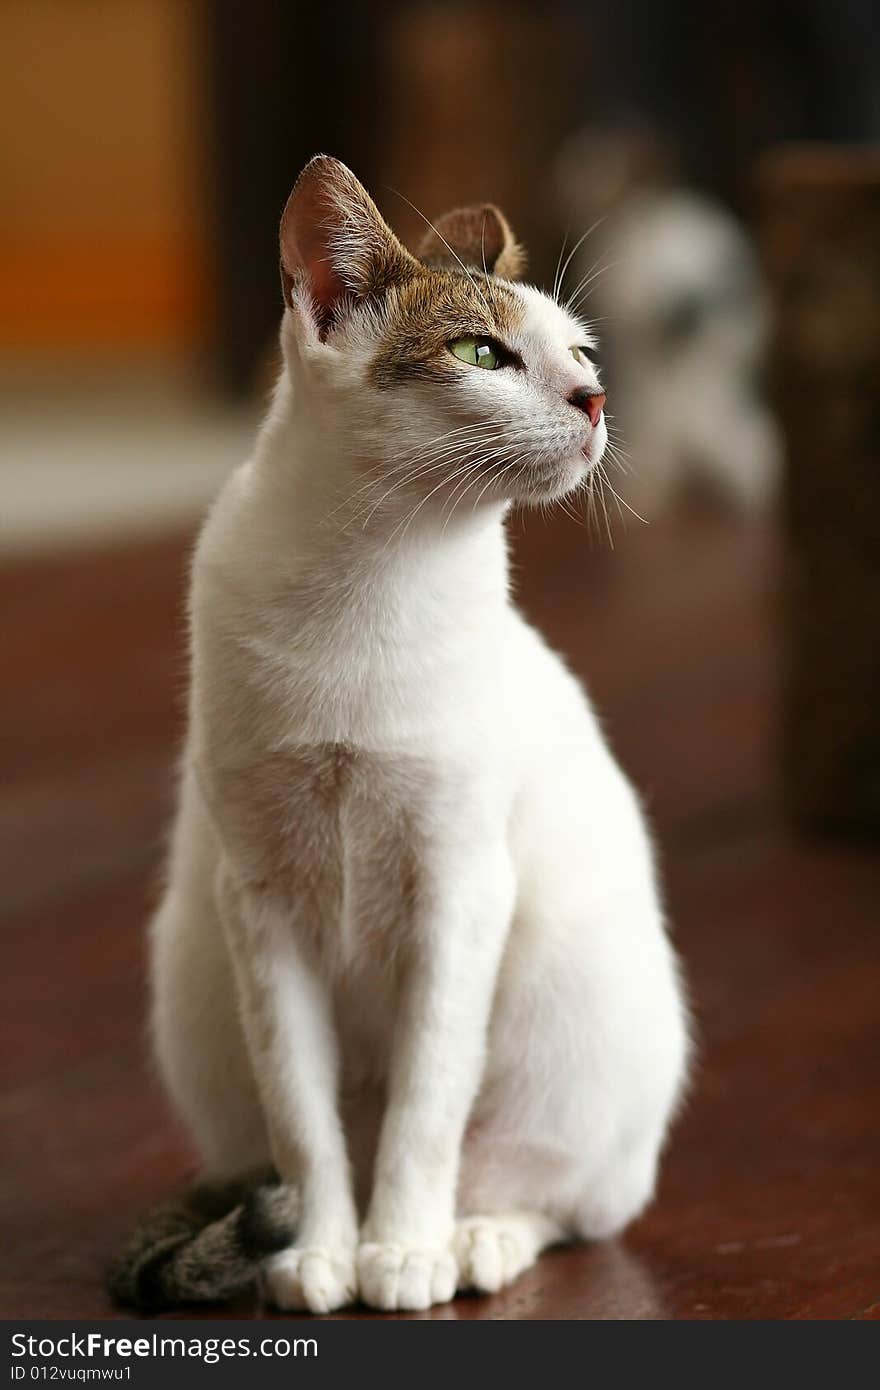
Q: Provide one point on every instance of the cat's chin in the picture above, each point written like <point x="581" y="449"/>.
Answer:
<point x="551" y="484"/>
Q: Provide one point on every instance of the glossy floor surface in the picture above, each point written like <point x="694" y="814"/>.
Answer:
<point x="769" y="1205"/>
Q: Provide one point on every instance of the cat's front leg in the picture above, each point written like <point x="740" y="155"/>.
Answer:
<point x="291" y="1037"/>
<point x="405" y="1259"/>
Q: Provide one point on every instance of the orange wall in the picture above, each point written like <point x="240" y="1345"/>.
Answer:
<point x="102" y="230"/>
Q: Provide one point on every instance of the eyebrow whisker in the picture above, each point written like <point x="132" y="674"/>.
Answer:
<point x="556" y="280"/>
<point x="574" y="250"/>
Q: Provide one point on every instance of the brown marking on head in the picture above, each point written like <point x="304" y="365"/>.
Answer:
<point x="335" y="242"/>
<point x="478" y="237"/>
<point x="336" y="245"/>
<point x="430" y="310"/>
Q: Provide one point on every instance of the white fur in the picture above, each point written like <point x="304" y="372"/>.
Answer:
<point x="411" y="949"/>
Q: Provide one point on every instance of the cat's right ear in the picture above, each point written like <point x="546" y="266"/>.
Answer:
<point x="335" y="244"/>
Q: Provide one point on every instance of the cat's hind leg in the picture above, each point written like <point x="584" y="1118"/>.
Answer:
<point x="206" y="1244"/>
<point x="198" y="1039"/>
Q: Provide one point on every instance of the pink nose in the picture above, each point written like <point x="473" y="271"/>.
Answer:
<point x="590" y="402"/>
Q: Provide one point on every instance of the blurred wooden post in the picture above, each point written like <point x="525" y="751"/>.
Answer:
<point x="821" y="233"/>
<point x="479" y="97"/>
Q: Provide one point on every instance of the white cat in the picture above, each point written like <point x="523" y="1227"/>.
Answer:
<point x="411" y="952"/>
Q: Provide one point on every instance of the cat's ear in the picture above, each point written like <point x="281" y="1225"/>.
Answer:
<point x="478" y="237"/>
<point x="335" y="243"/>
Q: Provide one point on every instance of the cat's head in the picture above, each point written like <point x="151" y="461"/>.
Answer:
<point x="438" y="371"/>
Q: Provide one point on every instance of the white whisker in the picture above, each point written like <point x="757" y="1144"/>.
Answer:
<point x="577" y="246"/>
<point x="452" y="252"/>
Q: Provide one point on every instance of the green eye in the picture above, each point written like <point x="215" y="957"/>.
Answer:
<point x="477" y="352"/>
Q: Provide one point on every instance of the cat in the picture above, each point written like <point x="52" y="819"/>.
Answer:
<point x="410" y="959"/>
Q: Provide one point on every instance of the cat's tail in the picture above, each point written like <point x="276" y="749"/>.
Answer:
<point x="205" y="1247"/>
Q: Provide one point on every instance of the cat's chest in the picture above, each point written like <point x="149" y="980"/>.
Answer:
<point x="350" y="846"/>
<point x="335" y="825"/>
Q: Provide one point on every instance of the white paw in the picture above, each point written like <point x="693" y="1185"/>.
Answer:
<point x="491" y="1251"/>
<point x="313" y="1279"/>
<point x="394" y="1277"/>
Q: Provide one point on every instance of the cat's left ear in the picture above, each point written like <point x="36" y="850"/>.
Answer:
<point x="335" y="243"/>
<point x="478" y="237"/>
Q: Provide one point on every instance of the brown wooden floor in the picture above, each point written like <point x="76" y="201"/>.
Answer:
<point x="770" y="1200"/>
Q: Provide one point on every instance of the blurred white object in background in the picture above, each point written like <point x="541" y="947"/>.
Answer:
<point x="682" y="314"/>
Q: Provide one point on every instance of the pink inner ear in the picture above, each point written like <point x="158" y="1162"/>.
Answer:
<point x="306" y="253"/>
<point x="326" y="285"/>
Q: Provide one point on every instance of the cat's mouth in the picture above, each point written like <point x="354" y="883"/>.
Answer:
<point x="593" y="449"/>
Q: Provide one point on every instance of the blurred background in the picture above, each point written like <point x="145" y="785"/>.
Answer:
<point x="149" y="145"/>
<point x="703" y="182"/>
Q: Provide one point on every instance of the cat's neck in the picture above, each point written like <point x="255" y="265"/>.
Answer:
<point x="349" y="531"/>
<point x="364" y="623"/>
